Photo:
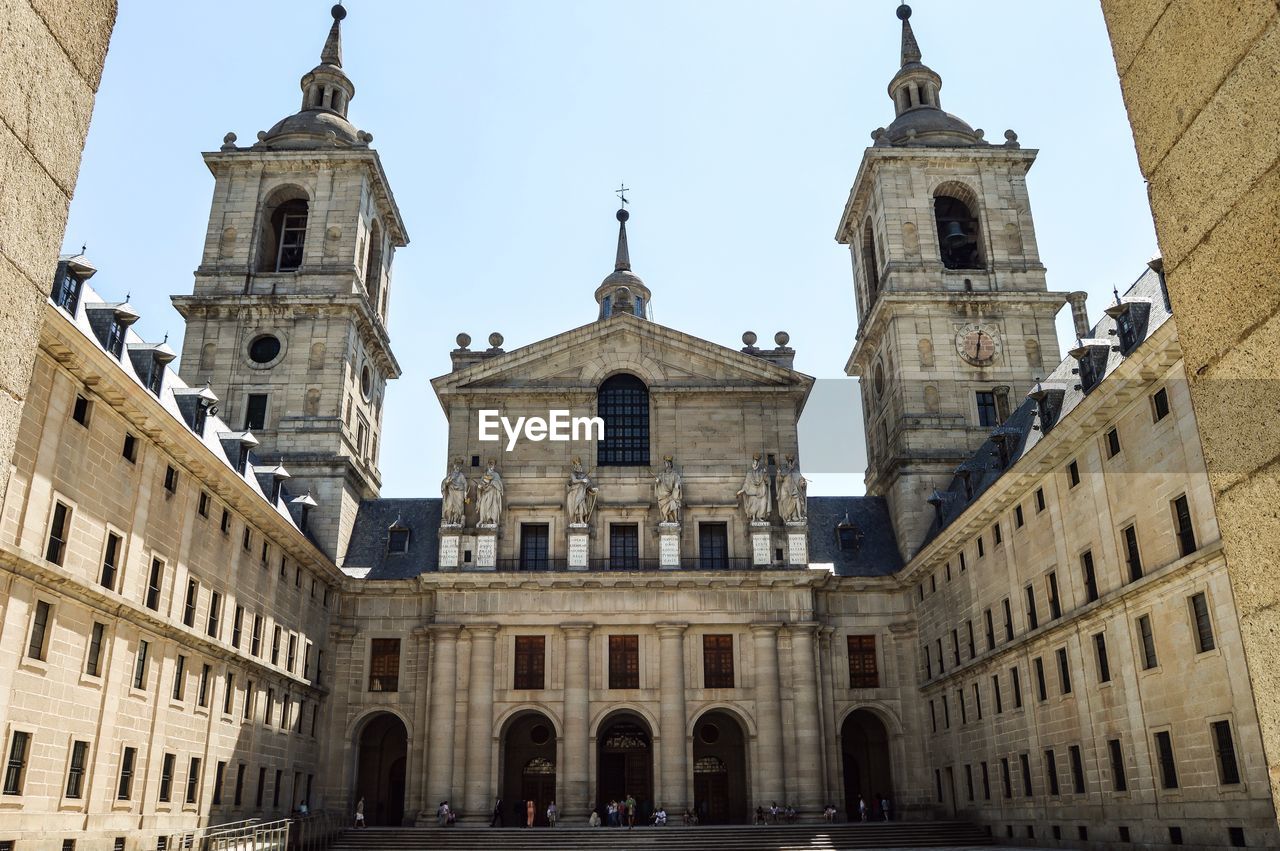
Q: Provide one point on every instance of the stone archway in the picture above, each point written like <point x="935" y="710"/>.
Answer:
<point x="528" y="764"/>
<point x="624" y="763"/>
<point x="864" y="745"/>
<point x="382" y="749"/>
<point x="720" y="784"/>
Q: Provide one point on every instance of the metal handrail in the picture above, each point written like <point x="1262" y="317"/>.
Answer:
<point x="607" y="565"/>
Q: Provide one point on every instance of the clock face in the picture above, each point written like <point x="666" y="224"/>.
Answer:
<point x="978" y="344"/>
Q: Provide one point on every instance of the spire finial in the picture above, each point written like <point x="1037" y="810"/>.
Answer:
<point x="623" y="261"/>
<point x="332" y="52"/>
<point x="910" y="47"/>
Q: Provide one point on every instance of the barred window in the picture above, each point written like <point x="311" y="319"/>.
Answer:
<point x="863" y="672"/>
<point x="623" y="403"/>
<point x="717" y="661"/>
<point x="530" y="668"/>
<point x="1204" y="626"/>
<point x="624" y="546"/>
<point x="16" y="769"/>
<point x="384" y="664"/>
<point x="624" y="661"/>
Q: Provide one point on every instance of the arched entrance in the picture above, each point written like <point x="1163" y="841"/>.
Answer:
<point x="864" y="744"/>
<point x="624" y="763"/>
<point x="528" y="768"/>
<point x="380" y="760"/>
<point x="719" y="769"/>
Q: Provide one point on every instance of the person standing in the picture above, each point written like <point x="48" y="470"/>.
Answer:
<point x="529" y="810"/>
<point x="360" y="812"/>
<point x="496" y="821"/>
<point x="631" y="811"/>
<point x="862" y="808"/>
<point x="884" y="807"/>
<point x="551" y="814"/>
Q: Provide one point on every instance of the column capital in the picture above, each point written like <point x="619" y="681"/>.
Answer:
<point x="579" y="629"/>
<point x="482" y="630"/>
<point x="670" y="629"/>
<point x="806" y="628"/>
<point x="825" y="632"/>
<point x="444" y="631"/>
<point x="766" y="628"/>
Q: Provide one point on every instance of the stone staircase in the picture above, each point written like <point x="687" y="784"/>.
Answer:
<point x="819" y="837"/>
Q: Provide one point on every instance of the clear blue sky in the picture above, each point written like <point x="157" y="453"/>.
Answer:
<point x="505" y="125"/>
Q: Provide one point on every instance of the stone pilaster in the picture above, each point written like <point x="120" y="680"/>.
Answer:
<point x="831" y="760"/>
<point x="416" y="771"/>
<point x="807" y="762"/>
<point x="444" y="685"/>
<point x="768" y="699"/>
<point x="577" y="677"/>
<point x="479" y="767"/>
<point x="673" y="791"/>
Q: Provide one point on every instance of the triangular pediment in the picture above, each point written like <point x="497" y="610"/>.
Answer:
<point x="580" y="358"/>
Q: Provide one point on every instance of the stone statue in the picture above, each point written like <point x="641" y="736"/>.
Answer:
<point x="489" y="495"/>
<point x="792" y="491"/>
<point x="453" y="493"/>
<point x="755" y="492"/>
<point x="581" y="499"/>
<point x="669" y="488"/>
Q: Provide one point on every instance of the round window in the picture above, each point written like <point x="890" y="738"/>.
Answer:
<point x="265" y="349"/>
<point x="879" y="380"/>
<point x="710" y="734"/>
<point x="366" y="382"/>
<point x="539" y="735"/>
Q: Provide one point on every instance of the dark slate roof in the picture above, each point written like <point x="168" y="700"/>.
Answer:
<point x="367" y="555"/>
<point x="1062" y="388"/>
<point x="876" y="552"/>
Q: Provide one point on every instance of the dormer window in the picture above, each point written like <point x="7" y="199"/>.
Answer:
<point x="848" y="536"/>
<point x="198" y="417"/>
<point x="115" y="338"/>
<point x="1127" y="331"/>
<point x="66" y="290"/>
<point x="397" y="540"/>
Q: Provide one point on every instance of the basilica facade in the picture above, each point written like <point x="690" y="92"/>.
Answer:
<point x="210" y="613"/>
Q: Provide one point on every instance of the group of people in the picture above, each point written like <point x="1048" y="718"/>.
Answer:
<point x="878" y="811"/>
<point x="618" y="813"/>
<point x="529" y="810"/>
<point x="775" y="814"/>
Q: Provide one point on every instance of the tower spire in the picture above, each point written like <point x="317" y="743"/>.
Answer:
<point x="622" y="291"/>
<point x="910" y="47"/>
<point x="623" y="261"/>
<point x="332" y="52"/>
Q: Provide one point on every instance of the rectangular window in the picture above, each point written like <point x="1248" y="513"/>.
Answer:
<point x="59" y="526"/>
<point x="224" y="525"/>
<point x="247" y="710"/>
<point x="987" y="409"/>
<point x="229" y="694"/>
<point x="76" y="769"/>
<point x="1041" y="690"/>
<point x="291" y="653"/>
<point x="1113" y="443"/>
<point x="170" y="479"/>
<point x="1051" y="771"/>
<point x="1017" y="517"/>
<point x="955" y="646"/>
<point x="946" y="713"/>
<point x="275" y="645"/>
<point x="1005" y="779"/>
<point x="140" y="666"/>
<point x="624" y="546"/>
<point x="928" y="663"/>
<point x="255" y="637"/>
<point x="1039" y="500"/>
<point x="189" y="607"/>
<point x="1025" y="762"/>
<point x="1055" y="603"/>
<point x="982" y="550"/>
<point x="269" y="711"/>
<point x="93" y="662"/>
<point x="179" y="677"/>
<point x="1064" y="671"/>
<point x="941" y="666"/>
<point x="1182" y="524"/>
<point x="384" y="664"/>
<point x="1008" y="620"/>
<point x="37" y="646"/>
<point x="1017" y="687"/>
<point x="717" y="661"/>
<point x="1100" y="650"/>
<point x="995" y="693"/>
<point x="239" y="793"/>
<point x="202" y="695"/>
<point x="713" y="546"/>
<point x="1148" y="643"/>
<point x="1077" y="770"/>
<point x="1131" y="554"/>
<point x="1090" y="576"/>
<point x="1225" y="750"/>
<point x="973" y="649"/>
<point x="534" y="546"/>
<point x="1118" y="781"/>
<point x="285" y="705"/>
<point x="977" y="701"/>
<point x="15" y="771"/>
<point x="193" y="779"/>
<point x="362" y="435"/>
<point x="624" y="661"/>
<point x="933" y="716"/>
<point x="968" y="780"/>
<point x="1159" y="405"/>
<point x="80" y="411"/>
<point x="1164" y="753"/>
<point x="202" y="507"/>
<point x="111" y="561"/>
<point x="130" y="449"/>
<point x="991" y="629"/>
<point x="212" y="627"/>
<point x="986" y="783"/>
<point x="153" y="584"/>
<point x="219" y="774"/>
<point x="1073" y="474"/>
<point x="531" y="657"/>
<point x="66" y="290"/>
<point x="255" y="412"/>
<point x="996" y="534"/>
<point x="246" y="542"/>
<point x="863" y="669"/>
<point x="1033" y="619"/>
<point x="262" y="786"/>
<point x="1204" y="626"/>
<point x="124" y="789"/>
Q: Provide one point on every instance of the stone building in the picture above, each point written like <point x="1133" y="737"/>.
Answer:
<point x="212" y="615"/>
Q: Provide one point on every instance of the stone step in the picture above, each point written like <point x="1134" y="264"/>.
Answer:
<point x="835" y="837"/>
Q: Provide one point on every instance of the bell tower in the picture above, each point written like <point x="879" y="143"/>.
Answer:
<point x="955" y="319"/>
<point x="287" y="321"/>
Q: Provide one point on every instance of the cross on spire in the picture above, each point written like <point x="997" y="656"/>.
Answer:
<point x="621" y="192"/>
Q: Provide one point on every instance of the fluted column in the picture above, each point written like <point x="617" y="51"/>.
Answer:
<point x="575" y="784"/>
<point x="479" y="786"/>
<point x="807" y="767"/>
<point x="768" y="700"/>
<point x="673" y="793"/>
<point x="831" y="759"/>
<point x="444" y="688"/>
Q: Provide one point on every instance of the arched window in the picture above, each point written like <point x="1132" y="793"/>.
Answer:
<point x="373" y="268"/>
<point x="284" y="233"/>
<point x="957" y="233"/>
<point x="623" y="403"/>
<point x="870" y="263"/>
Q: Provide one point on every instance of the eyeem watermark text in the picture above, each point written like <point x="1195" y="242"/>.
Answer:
<point x="558" y="426"/>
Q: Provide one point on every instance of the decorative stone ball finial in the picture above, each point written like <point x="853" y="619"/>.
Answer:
<point x="782" y="338"/>
<point x="464" y="340"/>
<point x="622" y="215"/>
<point x="338" y="12"/>
<point x="749" y="338"/>
<point x="229" y="139"/>
<point x="904" y="12"/>
<point x="495" y="339"/>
